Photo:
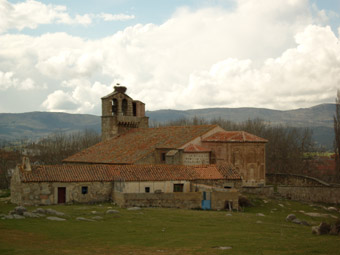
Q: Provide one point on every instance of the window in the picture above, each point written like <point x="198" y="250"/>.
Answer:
<point x="178" y="187"/>
<point x="124" y="107"/>
<point x="147" y="189"/>
<point x="163" y="156"/>
<point x="84" y="190"/>
<point x="114" y="106"/>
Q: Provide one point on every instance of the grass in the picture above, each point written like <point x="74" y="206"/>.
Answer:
<point x="168" y="231"/>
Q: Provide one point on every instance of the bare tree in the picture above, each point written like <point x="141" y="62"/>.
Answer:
<point x="337" y="134"/>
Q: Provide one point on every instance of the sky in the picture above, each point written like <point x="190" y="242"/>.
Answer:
<point x="65" y="55"/>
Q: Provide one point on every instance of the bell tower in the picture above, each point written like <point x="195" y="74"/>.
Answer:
<point x="121" y="113"/>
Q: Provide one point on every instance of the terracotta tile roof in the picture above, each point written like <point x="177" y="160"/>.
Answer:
<point x="107" y="173"/>
<point x="234" y="137"/>
<point x="229" y="172"/>
<point x="194" y="148"/>
<point x="129" y="147"/>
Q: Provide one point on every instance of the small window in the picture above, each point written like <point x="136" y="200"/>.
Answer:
<point x="84" y="190"/>
<point x="163" y="156"/>
<point x="178" y="187"/>
<point x="147" y="189"/>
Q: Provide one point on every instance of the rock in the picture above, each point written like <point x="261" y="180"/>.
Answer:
<point x="297" y="221"/>
<point x="260" y="214"/>
<point x="31" y="215"/>
<point x="55" y="218"/>
<point x="54" y="212"/>
<point x="97" y="217"/>
<point x="19" y="210"/>
<point x="228" y="214"/>
<point x="314" y="214"/>
<point x="332" y="209"/>
<point x="281" y="205"/>
<point x="39" y="210"/>
<point x="111" y="211"/>
<point x="133" y="208"/>
<point x="8" y="217"/>
<point x="259" y="222"/>
<point x="335" y="228"/>
<point x="265" y="201"/>
<point x="223" y="247"/>
<point x="290" y="217"/>
<point x="18" y="217"/>
<point x="303" y="222"/>
<point x="83" y="219"/>
<point x="322" y="229"/>
<point x="94" y="212"/>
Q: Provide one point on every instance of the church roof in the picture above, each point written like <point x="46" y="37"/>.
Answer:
<point x="194" y="148"/>
<point x="234" y="136"/>
<point x="137" y="143"/>
<point x="90" y="173"/>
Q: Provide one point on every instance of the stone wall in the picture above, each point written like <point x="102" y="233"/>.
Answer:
<point x="311" y="194"/>
<point x="192" y="159"/>
<point x="46" y="193"/>
<point x="218" y="183"/>
<point x="263" y="191"/>
<point x="248" y="159"/>
<point x="155" y="186"/>
<point x="190" y="200"/>
<point x="293" y="180"/>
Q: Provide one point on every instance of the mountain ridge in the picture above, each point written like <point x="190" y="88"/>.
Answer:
<point x="37" y="124"/>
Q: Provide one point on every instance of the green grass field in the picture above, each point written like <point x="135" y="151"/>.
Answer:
<point x="169" y="231"/>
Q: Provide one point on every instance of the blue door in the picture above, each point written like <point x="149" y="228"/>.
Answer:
<point x="206" y="203"/>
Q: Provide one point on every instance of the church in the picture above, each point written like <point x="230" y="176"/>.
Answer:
<point x="138" y="165"/>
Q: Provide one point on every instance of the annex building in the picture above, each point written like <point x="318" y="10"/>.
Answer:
<point x="138" y="165"/>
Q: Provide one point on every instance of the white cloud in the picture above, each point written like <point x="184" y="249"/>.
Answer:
<point x="116" y="17"/>
<point x="32" y="13"/>
<point x="262" y="53"/>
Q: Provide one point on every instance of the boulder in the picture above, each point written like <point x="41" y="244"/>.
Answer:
<point x="83" y="219"/>
<point x="335" y="228"/>
<point x="111" y="211"/>
<point x="31" y="215"/>
<point x="39" y="210"/>
<point x="18" y="217"/>
<point x="322" y="229"/>
<point x="97" y="217"/>
<point x="54" y="212"/>
<point x="19" y="210"/>
<point x="260" y="214"/>
<point x="55" y="218"/>
<point x="297" y="221"/>
<point x="290" y="217"/>
<point x="133" y="208"/>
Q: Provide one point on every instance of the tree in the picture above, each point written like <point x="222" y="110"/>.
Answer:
<point x="337" y="134"/>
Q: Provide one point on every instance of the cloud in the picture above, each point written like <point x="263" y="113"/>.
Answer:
<point x="263" y="54"/>
<point x="115" y="17"/>
<point x="32" y="13"/>
<point x="81" y="98"/>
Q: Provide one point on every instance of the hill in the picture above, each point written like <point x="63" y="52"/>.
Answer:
<point x="34" y="125"/>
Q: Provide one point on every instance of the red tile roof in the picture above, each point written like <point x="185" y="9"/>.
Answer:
<point x="195" y="148"/>
<point x="107" y="173"/>
<point x="234" y="137"/>
<point x="129" y="147"/>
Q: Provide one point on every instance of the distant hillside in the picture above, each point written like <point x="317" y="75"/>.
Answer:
<point x="38" y="124"/>
<point x="34" y="125"/>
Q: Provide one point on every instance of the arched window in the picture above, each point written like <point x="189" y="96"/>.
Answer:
<point x="114" y="106"/>
<point x="124" y="106"/>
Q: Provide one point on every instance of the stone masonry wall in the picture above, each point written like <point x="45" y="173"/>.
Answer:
<point x="191" y="200"/>
<point x="311" y="194"/>
<point x="46" y="193"/>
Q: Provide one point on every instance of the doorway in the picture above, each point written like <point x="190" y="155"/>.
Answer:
<point x="61" y="195"/>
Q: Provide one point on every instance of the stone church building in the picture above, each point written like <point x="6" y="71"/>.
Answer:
<point x="138" y="165"/>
